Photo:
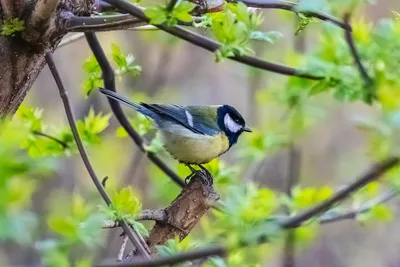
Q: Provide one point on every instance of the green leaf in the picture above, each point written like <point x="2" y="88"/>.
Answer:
<point x="142" y="230"/>
<point x="382" y="212"/>
<point x="125" y="204"/>
<point x="157" y="14"/>
<point x="269" y="37"/>
<point x="65" y="227"/>
<point x="12" y="26"/>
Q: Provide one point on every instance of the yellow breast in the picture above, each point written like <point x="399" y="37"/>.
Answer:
<point x="195" y="148"/>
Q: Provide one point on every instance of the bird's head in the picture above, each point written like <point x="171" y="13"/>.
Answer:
<point x="231" y="122"/>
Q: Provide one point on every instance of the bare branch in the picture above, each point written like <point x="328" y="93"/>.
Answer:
<point x="291" y="6"/>
<point x="352" y="214"/>
<point x="211" y="45"/>
<point x="102" y="23"/>
<point x="363" y="72"/>
<point x="70" y="39"/>
<point x="372" y="174"/>
<point x="153" y="215"/>
<point x="7" y="6"/>
<point x="109" y="83"/>
<point x="182" y="257"/>
<point x="42" y="12"/>
<point x="122" y="249"/>
<point x="72" y="122"/>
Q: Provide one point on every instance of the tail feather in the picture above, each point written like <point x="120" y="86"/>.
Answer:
<point x="120" y="98"/>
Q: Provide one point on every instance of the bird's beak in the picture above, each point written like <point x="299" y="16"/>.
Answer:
<point x="247" y="129"/>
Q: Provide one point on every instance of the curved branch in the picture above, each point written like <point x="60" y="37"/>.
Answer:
<point x="366" y="207"/>
<point x="372" y="174"/>
<point x="363" y="72"/>
<point x="64" y="145"/>
<point x="212" y="45"/>
<point x="135" y="239"/>
<point x="102" y="23"/>
<point x="109" y="83"/>
<point x="291" y="6"/>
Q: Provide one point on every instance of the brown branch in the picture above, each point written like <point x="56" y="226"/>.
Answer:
<point x="352" y="214"/>
<point x="72" y="122"/>
<point x="121" y="251"/>
<point x="7" y="7"/>
<point x="211" y="45"/>
<point x="166" y="261"/>
<point x="363" y="72"/>
<point x="371" y="175"/>
<point x="184" y="212"/>
<point x="291" y="6"/>
<point x="42" y="12"/>
<point x="70" y="39"/>
<point x="102" y="23"/>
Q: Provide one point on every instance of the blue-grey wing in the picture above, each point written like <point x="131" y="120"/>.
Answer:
<point x="183" y="116"/>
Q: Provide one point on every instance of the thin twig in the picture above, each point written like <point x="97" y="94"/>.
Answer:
<point x="122" y="249"/>
<point x="372" y="174"/>
<point x="363" y="72"/>
<point x="102" y="23"/>
<point x="291" y="6"/>
<point x="64" y="145"/>
<point x="153" y="215"/>
<point x="72" y="122"/>
<point x="171" y="5"/>
<point x="70" y="39"/>
<point x="292" y="180"/>
<point x="182" y="257"/>
<point x="212" y="45"/>
<point x="109" y="83"/>
<point x="352" y="214"/>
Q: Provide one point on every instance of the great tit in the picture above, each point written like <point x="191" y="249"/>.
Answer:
<point x="193" y="135"/>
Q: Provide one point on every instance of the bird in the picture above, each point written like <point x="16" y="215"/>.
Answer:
<point x="193" y="135"/>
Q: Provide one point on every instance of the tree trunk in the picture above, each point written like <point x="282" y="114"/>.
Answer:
<point x="22" y="55"/>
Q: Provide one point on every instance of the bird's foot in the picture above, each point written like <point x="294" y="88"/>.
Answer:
<point x="206" y="175"/>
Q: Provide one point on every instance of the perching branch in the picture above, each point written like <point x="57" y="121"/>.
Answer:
<point x="371" y="175"/>
<point x="109" y="83"/>
<point x="72" y="122"/>
<point x="211" y="45"/>
<point x="293" y="222"/>
<point x="291" y="6"/>
<point x="102" y="23"/>
<point x="363" y="72"/>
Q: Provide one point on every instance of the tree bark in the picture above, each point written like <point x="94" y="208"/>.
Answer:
<point x="22" y="55"/>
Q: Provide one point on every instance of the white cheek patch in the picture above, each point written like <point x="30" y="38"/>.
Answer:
<point x="231" y="125"/>
<point x="189" y="118"/>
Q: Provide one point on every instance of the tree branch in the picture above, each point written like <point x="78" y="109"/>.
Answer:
<point x="64" y="145"/>
<point x="352" y="214"/>
<point x="363" y="72"/>
<point x="291" y="6"/>
<point x="211" y="45"/>
<point x="72" y="122"/>
<point x="43" y="11"/>
<point x="7" y="6"/>
<point x="102" y="23"/>
<point x="372" y="174"/>
<point x="70" y="39"/>
<point x="109" y="83"/>
<point x="181" y="257"/>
